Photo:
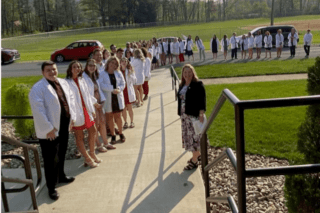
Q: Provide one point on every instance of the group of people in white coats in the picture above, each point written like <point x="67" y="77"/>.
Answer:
<point x="93" y="99"/>
<point x="164" y="50"/>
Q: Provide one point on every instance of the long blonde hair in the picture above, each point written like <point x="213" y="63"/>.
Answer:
<point x="194" y="78"/>
<point x="112" y="58"/>
<point x="138" y="54"/>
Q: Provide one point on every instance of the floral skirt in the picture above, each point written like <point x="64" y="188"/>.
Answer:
<point x="190" y="140"/>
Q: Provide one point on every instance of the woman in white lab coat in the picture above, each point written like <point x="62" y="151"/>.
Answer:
<point x="214" y="46"/>
<point x="181" y="50"/>
<point x="268" y="43"/>
<point x="85" y="113"/>
<point x="147" y="73"/>
<point x="91" y="76"/>
<point x="279" y="42"/>
<point x="189" y="47"/>
<point x="243" y="46"/>
<point x="138" y="64"/>
<point x="258" y="42"/>
<point x="224" y="46"/>
<point x="175" y="49"/>
<point x="200" y="47"/>
<point x="112" y="84"/>
<point x="128" y="92"/>
<point x="292" y="41"/>
<point x="250" y="45"/>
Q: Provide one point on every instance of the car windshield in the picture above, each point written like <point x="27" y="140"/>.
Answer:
<point x="99" y="44"/>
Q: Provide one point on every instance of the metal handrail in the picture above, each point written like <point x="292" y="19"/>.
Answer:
<point x="175" y="79"/>
<point x="29" y="180"/>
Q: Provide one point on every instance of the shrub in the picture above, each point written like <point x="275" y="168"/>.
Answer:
<point x="17" y="103"/>
<point x="302" y="192"/>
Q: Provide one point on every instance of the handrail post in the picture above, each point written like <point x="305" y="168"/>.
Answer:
<point x="241" y="176"/>
<point x="4" y="197"/>
<point x="204" y="163"/>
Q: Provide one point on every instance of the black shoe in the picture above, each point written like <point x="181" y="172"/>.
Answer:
<point x="66" y="179"/>
<point x="54" y="195"/>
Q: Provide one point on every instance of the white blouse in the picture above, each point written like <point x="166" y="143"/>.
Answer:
<point x="258" y="41"/>
<point x="138" y="66"/>
<point x="279" y="40"/>
<point x="175" y="48"/>
<point x="250" y="42"/>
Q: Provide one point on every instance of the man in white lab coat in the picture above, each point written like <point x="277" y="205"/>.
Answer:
<point x="234" y="46"/>
<point x="307" y="39"/>
<point x="52" y="105"/>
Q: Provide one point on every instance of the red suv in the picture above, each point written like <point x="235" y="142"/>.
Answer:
<point x="77" y="50"/>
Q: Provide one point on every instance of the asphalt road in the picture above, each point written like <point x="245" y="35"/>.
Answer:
<point x="34" y="68"/>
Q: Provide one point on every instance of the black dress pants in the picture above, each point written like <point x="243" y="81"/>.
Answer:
<point x="307" y="49"/>
<point x="293" y="50"/>
<point x="234" y="53"/>
<point x="53" y="154"/>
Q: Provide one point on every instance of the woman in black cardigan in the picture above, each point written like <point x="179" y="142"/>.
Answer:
<point x="191" y="106"/>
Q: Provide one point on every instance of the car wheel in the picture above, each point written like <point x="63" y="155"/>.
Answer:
<point x="90" y="55"/>
<point x="59" y="58"/>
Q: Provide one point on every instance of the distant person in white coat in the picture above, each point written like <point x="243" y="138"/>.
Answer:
<point x="214" y="46"/>
<point x="250" y="45"/>
<point x="147" y="73"/>
<point x="307" y="39"/>
<point x="112" y="84"/>
<point x="224" y="46"/>
<point x="268" y="43"/>
<point x="175" y="49"/>
<point x="52" y="105"/>
<point x="169" y="52"/>
<point x="189" y="47"/>
<point x="258" y="42"/>
<point x="279" y="42"/>
<point x="163" y="51"/>
<point x="234" y="46"/>
<point x="243" y="46"/>
<point x="181" y="50"/>
<point x="138" y="64"/>
<point x="292" y="42"/>
<point x="200" y="47"/>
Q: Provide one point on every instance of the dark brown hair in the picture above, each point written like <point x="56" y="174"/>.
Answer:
<point x="95" y="75"/>
<point x="104" y="51"/>
<point x="69" y="70"/>
<point x="47" y="63"/>
<point x="95" y="51"/>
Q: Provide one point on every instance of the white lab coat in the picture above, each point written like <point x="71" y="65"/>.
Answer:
<point x="101" y="67"/>
<point x="279" y="40"/>
<point x="222" y="44"/>
<point x="294" y="39"/>
<point x="158" y="52"/>
<point x="250" y="41"/>
<point x="107" y="89"/>
<point x="199" y="44"/>
<point x="258" y="41"/>
<point x="130" y="81"/>
<point x="165" y="47"/>
<point x="147" y="69"/>
<point x="87" y="98"/>
<point x="267" y="41"/>
<point x="175" y="48"/>
<point x="90" y="85"/>
<point x="217" y="40"/>
<point x="138" y="66"/>
<point x="245" y="44"/>
<point x="233" y="42"/>
<point x="307" y="39"/>
<point x="124" y="51"/>
<point x="189" y="45"/>
<point x="46" y="107"/>
<point x="150" y="50"/>
<point x="181" y="46"/>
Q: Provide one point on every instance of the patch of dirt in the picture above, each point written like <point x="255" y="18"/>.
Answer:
<point x="303" y="25"/>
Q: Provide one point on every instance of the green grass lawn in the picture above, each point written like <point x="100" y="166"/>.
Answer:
<point x="252" y="68"/>
<point x="269" y="132"/>
<point x="40" y="48"/>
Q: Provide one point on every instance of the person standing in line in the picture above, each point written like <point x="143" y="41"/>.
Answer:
<point x="234" y="46"/>
<point x="127" y="48"/>
<point x="279" y="42"/>
<point x="191" y="106"/>
<point x="268" y="43"/>
<point x="105" y="55"/>
<point x="112" y="84"/>
<point x="52" y="105"/>
<point x="158" y="50"/>
<point x="175" y="49"/>
<point x="155" y="52"/>
<point x="214" y="46"/>
<point x="224" y="46"/>
<point x="292" y="42"/>
<point x="189" y="48"/>
<point x="243" y="46"/>
<point x="138" y="64"/>
<point x="97" y="56"/>
<point x="91" y="76"/>
<point x="181" y="50"/>
<point x="169" y="51"/>
<point x="258" y="42"/>
<point x="147" y="73"/>
<point x="85" y="113"/>
<point x="307" y="39"/>
<point x="119" y="53"/>
<point x="128" y="92"/>
<point x="200" y="47"/>
<point x="250" y="45"/>
<point x="128" y="55"/>
<point x="163" y="51"/>
<point x="113" y="49"/>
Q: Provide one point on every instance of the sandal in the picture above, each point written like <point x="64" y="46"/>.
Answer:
<point x="191" y="165"/>
<point x="131" y="125"/>
<point x="91" y="164"/>
<point x="122" y="137"/>
<point x="95" y="158"/>
<point x="199" y="159"/>
<point x="109" y="146"/>
<point x="77" y="154"/>
<point x="125" y="126"/>
<point x="102" y="149"/>
<point x="113" y="140"/>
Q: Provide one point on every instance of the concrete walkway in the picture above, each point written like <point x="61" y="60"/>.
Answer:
<point x="144" y="174"/>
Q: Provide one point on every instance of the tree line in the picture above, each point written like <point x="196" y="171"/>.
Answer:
<point x="20" y="17"/>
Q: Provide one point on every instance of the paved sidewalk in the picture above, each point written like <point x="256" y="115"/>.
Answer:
<point x="144" y="174"/>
